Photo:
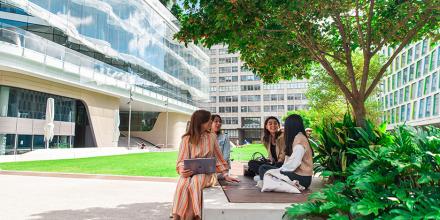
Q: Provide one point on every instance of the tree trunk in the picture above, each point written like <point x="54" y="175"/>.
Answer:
<point x="359" y="112"/>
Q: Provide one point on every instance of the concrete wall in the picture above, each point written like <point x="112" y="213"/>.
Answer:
<point x="101" y="107"/>
<point x="176" y="128"/>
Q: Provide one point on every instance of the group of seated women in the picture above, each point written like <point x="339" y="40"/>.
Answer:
<point x="288" y="151"/>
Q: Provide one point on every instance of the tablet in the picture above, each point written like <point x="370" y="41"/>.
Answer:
<point x="200" y="165"/>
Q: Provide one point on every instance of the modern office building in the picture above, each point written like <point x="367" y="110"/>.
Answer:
<point x="411" y="90"/>
<point x="243" y="100"/>
<point x="93" y="58"/>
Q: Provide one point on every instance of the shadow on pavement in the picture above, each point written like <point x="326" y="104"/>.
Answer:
<point x="156" y="210"/>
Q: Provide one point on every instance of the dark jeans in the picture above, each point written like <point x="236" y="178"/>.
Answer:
<point x="303" y="180"/>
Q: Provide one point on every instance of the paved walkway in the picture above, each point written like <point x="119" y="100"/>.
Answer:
<point x="71" y="153"/>
<point x="36" y="197"/>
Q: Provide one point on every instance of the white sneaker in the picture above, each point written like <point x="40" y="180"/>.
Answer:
<point x="260" y="184"/>
<point x="256" y="178"/>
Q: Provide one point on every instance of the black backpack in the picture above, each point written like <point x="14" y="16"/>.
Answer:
<point x="254" y="164"/>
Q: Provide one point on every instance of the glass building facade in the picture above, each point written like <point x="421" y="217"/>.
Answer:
<point x="108" y="54"/>
<point x="27" y="104"/>
<point x="411" y="90"/>
<point x="133" y="36"/>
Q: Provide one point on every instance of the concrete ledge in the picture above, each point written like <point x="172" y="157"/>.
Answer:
<point x="89" y="176"/>
<point x="216" y="207"/>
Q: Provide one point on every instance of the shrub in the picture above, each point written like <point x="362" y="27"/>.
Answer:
<point x="336" y="139"/>
<point x="398" y="180"/>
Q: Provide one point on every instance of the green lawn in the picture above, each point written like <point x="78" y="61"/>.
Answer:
<point x="160" y="164"/>
<point x="245" y="152"/>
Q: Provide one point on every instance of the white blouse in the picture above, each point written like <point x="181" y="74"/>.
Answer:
<point x="291" y="163"/>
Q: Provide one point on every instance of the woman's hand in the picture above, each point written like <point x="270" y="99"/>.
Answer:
<point x="231" y="179"/>
<point x="185" y="173"/>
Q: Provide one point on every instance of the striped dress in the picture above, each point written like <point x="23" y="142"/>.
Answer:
<point x="188" y="196"/>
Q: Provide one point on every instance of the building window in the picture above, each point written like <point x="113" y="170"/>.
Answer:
<point x="213" y="70"/>
<point x="425" y="46"/>
<point x="434" y="83"/>
<point x="249" y="78"/>
<point x="233" y="98"/>
<point x="251" y="122"/>
<point x="230" y="120"/>
<point x="426" y="65"/>
<point x="297" y="85"/>
<point x="428" y="106"/>
<point x="296" y="107"/>
<point x="250" y="98"/>
<point x="406" y="98"/>
<point x="410" y="56"/>
<point x="417" y="51"/>
<point x="427" y="86"/>
<point x="213" y="89"/>
<point x="213" y="61"/>
<point x="419" y="88"/>
<point x="228" y="109"/>
<point x="228" y="79"/>
<point x="228" y="88"/>
<point x="418" y="68"/>
<point x="232" y="133"/>
<point x="7" y="144"/>
<point x="223" y="60"/>
<point x="212" y="79"/>
<point x="273" y="86"/>
<point x="250" y="109"/>
<point x="213" y="52"/>
<point x="211" y="109"/>
<point x="213" y="99"/>
<point x="296" y="96"/>
<point x="222" y="51"/>
<point x="422" y="108"/>
<point x="250" y="87"/>
<point x="436" y="103"/>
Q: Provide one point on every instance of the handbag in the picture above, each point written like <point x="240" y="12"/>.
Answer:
<point x="254" y="164"/>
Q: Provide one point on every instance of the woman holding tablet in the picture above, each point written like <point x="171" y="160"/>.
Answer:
<point x="198" y="142"/>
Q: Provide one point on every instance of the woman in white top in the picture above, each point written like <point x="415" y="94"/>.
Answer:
<point x="298" y="163"/>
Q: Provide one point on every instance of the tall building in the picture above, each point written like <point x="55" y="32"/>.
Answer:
<point x="243" y="101"/>
<point x="411" y="90"/>
<point x="93" y="58"/>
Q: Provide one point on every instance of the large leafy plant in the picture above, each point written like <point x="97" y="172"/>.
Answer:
<point x="398" y="180"/>
<point x="336" y="139"/>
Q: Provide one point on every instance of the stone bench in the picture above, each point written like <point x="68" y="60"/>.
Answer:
<point x="245" y="201"/>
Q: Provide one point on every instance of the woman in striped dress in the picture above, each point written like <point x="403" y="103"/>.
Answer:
<point x="198" y="142"/>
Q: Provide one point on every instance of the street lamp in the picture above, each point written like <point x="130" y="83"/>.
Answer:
<point x="166" y="124"/>
<point x="129" y="117"/>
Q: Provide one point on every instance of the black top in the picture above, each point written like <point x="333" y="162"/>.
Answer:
<point x="273" y="151"/>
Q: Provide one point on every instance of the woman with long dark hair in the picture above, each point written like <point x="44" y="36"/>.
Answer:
<point x="197" y="142"/>
<point x="273" y="141"/>
<point x="298" y="164"/>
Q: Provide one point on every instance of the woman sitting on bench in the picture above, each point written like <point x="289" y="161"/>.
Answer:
<point x="198" y="142"/>
<point x="298" y="164"/>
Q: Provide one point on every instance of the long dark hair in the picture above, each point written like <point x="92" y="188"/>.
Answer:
<point x="266" y="133"/>
<point x="213" y="116"/>
<point x="292" y="126"/>
<point x="194" y="131"/>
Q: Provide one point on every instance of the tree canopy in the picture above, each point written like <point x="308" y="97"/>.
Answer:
<point x="282" y="39"/>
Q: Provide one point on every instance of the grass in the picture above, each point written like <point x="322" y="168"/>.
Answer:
<point x="245" y="152"/>
<point x="161" y="164"/>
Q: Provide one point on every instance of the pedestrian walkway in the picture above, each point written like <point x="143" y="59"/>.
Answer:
<point x="34" y="197"/>
<point x="71" y="153"/>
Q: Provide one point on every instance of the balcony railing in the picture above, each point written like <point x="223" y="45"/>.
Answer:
<point x="86" y="70"/>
